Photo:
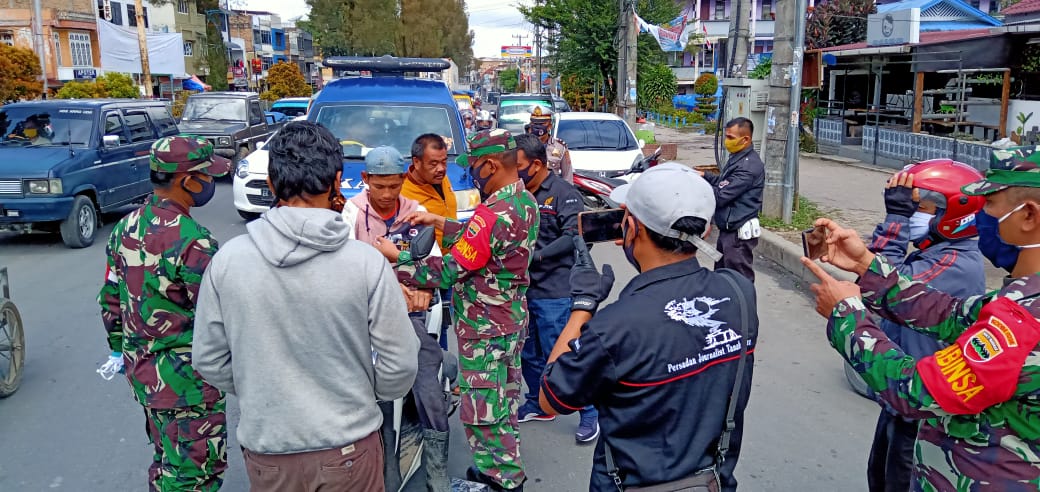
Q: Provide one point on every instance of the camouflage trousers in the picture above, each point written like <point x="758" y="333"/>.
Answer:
<point x="490" y="390"/>
<point x="190" y="447"/>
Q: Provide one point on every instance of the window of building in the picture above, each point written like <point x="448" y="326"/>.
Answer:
<point x="79" y="45"/>
<point x="720" y="9"/>
<point x="265" y="37"/>
<point x="266" y="62"/>
<point x="56" y="38"/>
<point x="994" y="6"/>
<point x="189" y="48"/>
<point x="182" y="6"/>
<point x="767" y="7"/>
<point x="256" y="36"/>
<point x="131" y="16"/>
<point x="7" y="38"/>
<point x="117" y="13"/>
<point x="976" y="3"/>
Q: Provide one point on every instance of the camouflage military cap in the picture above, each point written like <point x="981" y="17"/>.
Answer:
<point x="486" y="142"/>
<point x="1016" y="166"/>
<point x="185" y="154"/>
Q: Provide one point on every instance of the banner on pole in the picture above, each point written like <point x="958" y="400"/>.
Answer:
<point x="672" y="35"/>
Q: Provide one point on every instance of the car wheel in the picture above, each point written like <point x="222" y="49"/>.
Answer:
<point x="248" y="215"/>
<point x="856" y="382"/>
<point x="78" y="229"/>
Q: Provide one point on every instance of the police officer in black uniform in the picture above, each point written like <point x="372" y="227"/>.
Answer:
<point x="659" y="364"/>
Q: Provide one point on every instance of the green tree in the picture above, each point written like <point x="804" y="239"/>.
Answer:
<point x="656" y="87"/>
<point x="111" y="84"/>
<point x="586" y="30"/>
<point x="509" y="79"/>
<point x="353" y="27"/>
<point x="285" y="80"/>
<point x="21" y="74"/>
<point x="837" y="22"/>
<point x="216" y="57"/>
<point x="437" y="29"/>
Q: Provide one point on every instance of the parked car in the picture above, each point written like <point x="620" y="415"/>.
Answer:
<point x="233" y="121"/>
<point x="601" y="143"/>
<point x="67" y="161"/>
<point x="514" y="110"/>
<point x="560" y="104"/>
<point x="291" y="106"/>
<point x="367" y="112"/>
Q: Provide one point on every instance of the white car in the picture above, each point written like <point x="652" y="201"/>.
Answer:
<point x="252" y="197"/>
<point x="599" y="143"/>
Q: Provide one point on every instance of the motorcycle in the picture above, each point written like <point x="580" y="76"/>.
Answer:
<point x="595" y="189"/>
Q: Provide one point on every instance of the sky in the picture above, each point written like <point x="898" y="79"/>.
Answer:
<point x="494" y="22"/>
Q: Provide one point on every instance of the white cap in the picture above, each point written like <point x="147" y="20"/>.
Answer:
<point x="666" y="193"/>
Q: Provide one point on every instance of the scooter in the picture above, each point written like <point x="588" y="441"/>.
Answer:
<point x="595" y="189"/>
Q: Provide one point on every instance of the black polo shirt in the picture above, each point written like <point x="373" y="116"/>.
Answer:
<point x="559" y="204"/>
<point x="659" y="365"/>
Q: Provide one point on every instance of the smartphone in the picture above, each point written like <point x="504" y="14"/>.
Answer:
<point x="600" y="225"/>
<point x="814" y="242"/>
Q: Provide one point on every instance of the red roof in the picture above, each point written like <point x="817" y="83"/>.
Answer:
<point x="1023" y="7"/>
<point x="932" y="37"/>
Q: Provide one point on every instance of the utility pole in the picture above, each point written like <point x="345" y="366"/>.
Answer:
<point x="538" y="51"/>
<point x="142" y="42"/>
<point x="739" y="38"/>
<point x="40" y="43"/>
<point x="783" y="112"/>
<point x="628" y="58"/>
<point x="520" y="61"/>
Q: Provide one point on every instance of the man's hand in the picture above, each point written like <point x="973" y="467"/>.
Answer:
<point x="830" y="291"/>
<point x="588" y="286"/>
<point x="901" y="198"/>
<point x="416" y="299"/>
<point x="424" y="218"/>
<point x="845" y="249"/>
<point x="388" y="248"/>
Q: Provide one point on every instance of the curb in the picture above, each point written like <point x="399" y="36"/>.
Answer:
<point x="789" y="256"/>
<point x="849" y="162"/>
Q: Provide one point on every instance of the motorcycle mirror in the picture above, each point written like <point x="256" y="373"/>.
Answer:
<point x="422" y="244"/>
<point x="642" y="143"/>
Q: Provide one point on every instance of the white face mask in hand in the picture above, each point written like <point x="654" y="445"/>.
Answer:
<point x="919" y="225"/>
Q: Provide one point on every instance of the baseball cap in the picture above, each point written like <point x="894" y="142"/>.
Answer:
<point x="185" y="154"/>
<point x="486" y="142"/>
<point x="384" y="161"/>
<point x="1016" y="166"/>
<point x="666" y="193"/>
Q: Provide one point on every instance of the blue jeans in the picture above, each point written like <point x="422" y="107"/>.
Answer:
<point x="545" y="323"/>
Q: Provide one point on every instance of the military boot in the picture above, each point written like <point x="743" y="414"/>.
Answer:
<point x="435" y="457"/>
<point x="475" y="475"/>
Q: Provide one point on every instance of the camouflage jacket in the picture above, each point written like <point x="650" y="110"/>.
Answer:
<point x="487" y="264"/>
<point x="559" y="159"/>
<point x="156" y="257"/>
<point x="978" y="397"/>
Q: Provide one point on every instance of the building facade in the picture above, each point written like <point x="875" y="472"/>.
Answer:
<point x="69" y="37"/>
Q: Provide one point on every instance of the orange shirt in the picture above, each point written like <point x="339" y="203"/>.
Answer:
<point x="428" y="197"/>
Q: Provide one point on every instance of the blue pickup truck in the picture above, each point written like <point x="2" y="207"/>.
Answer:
<point x="66" y="161"/>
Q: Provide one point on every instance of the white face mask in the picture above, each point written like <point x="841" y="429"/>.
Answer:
<point x="1004" y="217"/>
<point x="919" y="225"/>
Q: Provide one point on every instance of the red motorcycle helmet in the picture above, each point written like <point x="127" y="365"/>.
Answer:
<point x="946" y="177"/>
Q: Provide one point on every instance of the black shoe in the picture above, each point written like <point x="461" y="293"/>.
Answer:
<point x="475" y="475"/>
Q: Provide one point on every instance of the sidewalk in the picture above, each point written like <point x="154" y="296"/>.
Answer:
<point x="848" y="191"/>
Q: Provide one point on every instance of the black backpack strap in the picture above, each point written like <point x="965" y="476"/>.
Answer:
<point x="612" y="469"/>
<point x="731" y="411"/>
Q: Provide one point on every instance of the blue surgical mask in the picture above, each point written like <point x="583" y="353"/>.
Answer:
<point x="999" y="253"/>
<point x="1009" y="214"/>
<point x="920" y="225"/>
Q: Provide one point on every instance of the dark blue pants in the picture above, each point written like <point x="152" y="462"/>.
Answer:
<point x="545" y="323"/>
<point x="891" y="459"/>
<point x="446" y="316"/>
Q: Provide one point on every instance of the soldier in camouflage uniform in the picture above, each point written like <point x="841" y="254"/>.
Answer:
<point x="156" y="257"/>
<point x="488" y="268"/>
<point x="978" y="398"/>
<point x="555" y="149"/>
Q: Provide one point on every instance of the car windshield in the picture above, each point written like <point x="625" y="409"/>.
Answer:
<point x="596" y="135"/>
<point x="520" y="110"/>
<point x="34" y="126"/>
<point x="212" y="108"/>
<point x="361" y="127"/>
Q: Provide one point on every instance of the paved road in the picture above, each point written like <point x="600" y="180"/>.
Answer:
<point x="68" y="429"/>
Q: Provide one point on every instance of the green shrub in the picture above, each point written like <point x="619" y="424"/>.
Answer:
<point x="706" y="85"/>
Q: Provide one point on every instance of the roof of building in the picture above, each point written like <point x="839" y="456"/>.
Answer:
<point x="1023" y="7"/>
<point x="944" y="11"/>
<point x="927" y="38"/>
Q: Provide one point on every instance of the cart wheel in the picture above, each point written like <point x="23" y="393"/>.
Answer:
<point x="12" y="348"/>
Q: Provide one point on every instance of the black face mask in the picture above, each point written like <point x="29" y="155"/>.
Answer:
<point x="629" y="247"/>
<point x="209" y="188"/>
<point x="478" y="182"/>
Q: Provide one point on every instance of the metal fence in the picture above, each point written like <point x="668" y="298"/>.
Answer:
<point x="913" y="147"/>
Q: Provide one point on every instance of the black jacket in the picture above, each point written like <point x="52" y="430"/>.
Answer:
<point x="738" y="190"/>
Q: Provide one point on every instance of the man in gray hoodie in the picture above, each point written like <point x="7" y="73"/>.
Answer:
<point x="307" y="327"/>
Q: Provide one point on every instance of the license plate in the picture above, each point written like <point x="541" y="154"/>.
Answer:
<point x="265" y="192"/>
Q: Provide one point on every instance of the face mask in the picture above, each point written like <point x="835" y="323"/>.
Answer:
<point x="629" y="247"/>
<point x="30" y="132"/>
<point x="525" y="174"/>
<point x="734" y="145"/>
<point x="202" y="197"/>
<point x="1009" y="214"/>
<point x="999" y="253"/>
<point x="920" y="224"/>
<point x="480" y="183"/>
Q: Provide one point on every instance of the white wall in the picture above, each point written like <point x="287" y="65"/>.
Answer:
<point x="1016" y="106"/>
<point x="162" y="16"/>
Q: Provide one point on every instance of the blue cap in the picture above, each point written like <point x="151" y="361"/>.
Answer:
<point x="384" y="161"/>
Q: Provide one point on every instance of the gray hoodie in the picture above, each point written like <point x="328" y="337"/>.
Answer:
<point x="288" y="316"/>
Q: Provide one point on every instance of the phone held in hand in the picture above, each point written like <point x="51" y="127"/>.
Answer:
<point x="600" y="225"/>
<point x="814" y="242"/>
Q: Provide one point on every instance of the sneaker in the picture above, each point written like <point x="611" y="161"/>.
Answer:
<point x="530" y="411"/>
<point x="588" y="429"/>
